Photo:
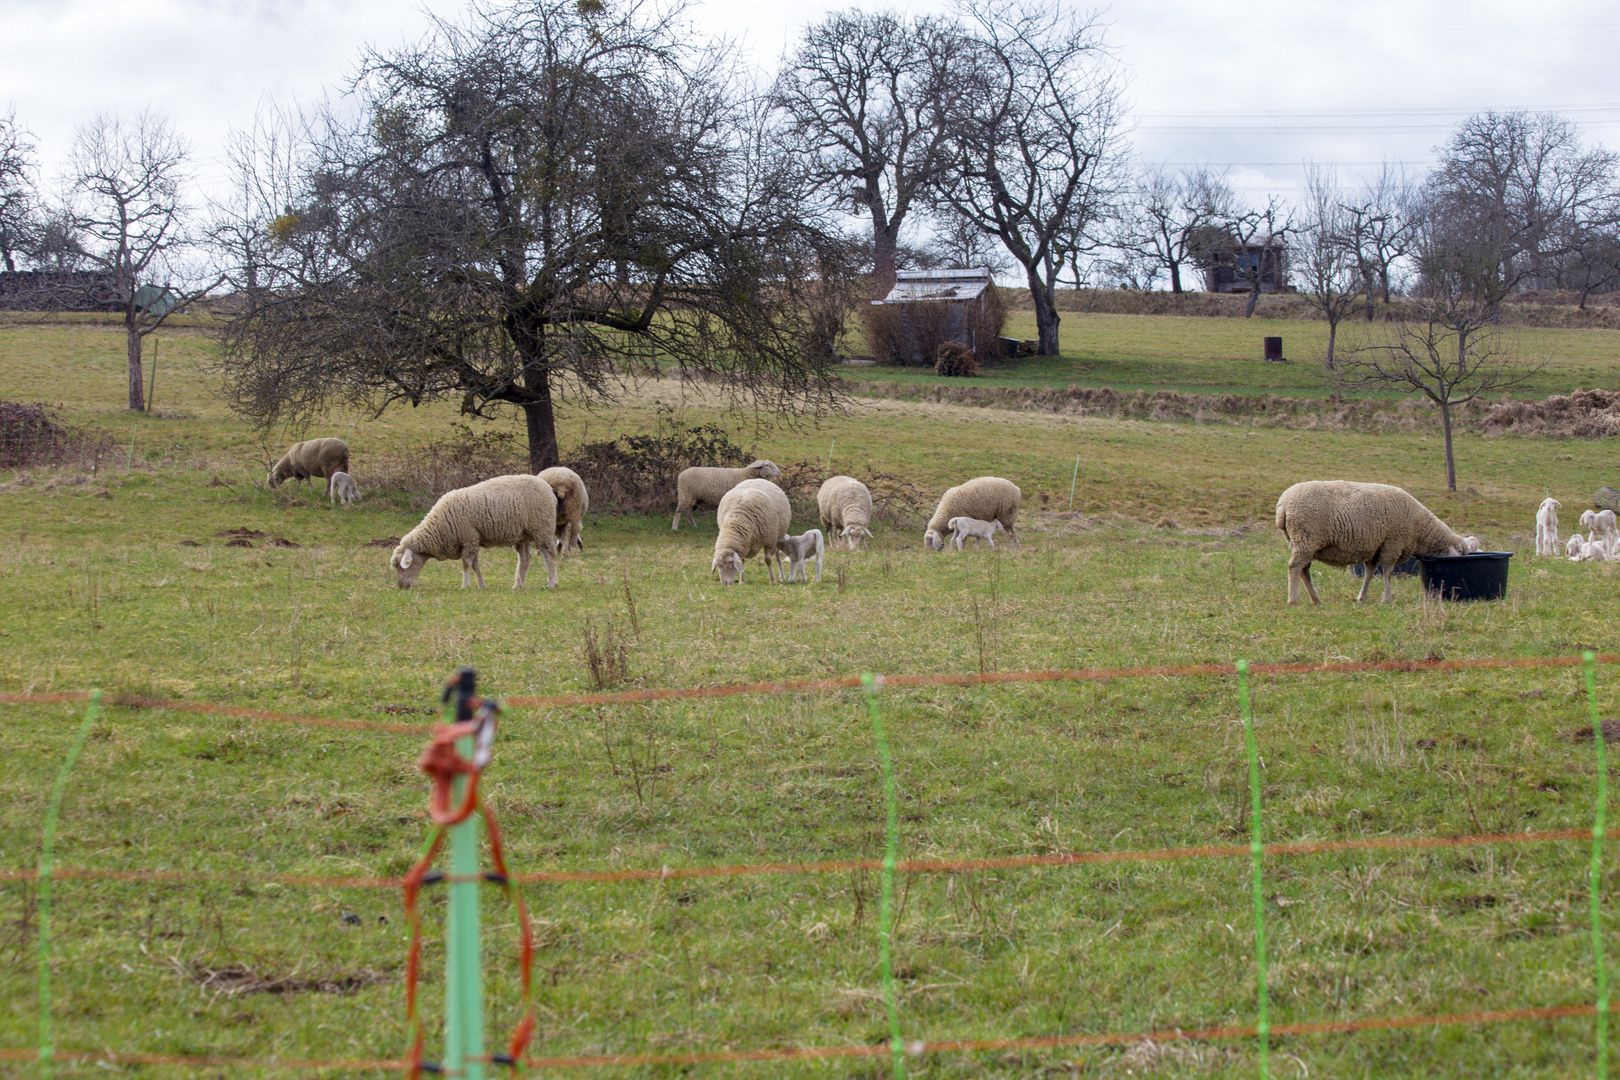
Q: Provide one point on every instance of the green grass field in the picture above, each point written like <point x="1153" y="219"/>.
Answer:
<point x="1169" y="557"/>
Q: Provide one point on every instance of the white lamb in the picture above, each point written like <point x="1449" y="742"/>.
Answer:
<point x="846" y="509"/>
<point x="1593" y="550"/>
<point x="807" y="545"/>
<point x="515" y="511"/>
<point x="1547" y="527"/>
<point x="1573" y="547"/>
<point x="988" y="498"/>
<point x="1604" y="526"/>
<point x="964" y="527"/>
<point x="343" y="489"/>
<point x="754" y="517"/>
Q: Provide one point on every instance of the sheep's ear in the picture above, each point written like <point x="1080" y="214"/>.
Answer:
<point x="406" y="559"/>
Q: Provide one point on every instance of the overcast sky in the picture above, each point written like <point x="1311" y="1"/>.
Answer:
<point x="1257" y="86"/>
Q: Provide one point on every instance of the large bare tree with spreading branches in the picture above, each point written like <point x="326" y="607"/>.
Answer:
<point x="541" y="203"/>
<point x="1169" y="211"/>
<point x="1032" y="139"/>
<point x="19" y="210"/>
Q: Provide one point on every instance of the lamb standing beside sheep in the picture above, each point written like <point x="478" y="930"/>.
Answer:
<point x="987" y="498"/>
<point x="1341" y="523"/>
<point x="846" y="509"/>
<point x="1547" y="527"/>
<point x="507" y="511"/>
<point x="312" y="457"/>
<point x="342" y="488"/>
<point x="572" y="503"/>
<point x="754" y="517"/>
<point x="807" y="545"/>
<point x="981" y="531"/>
<point x="707" y="485"/>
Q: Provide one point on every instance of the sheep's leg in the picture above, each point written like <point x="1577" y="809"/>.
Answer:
<point x="1300" y="572"/>
<point x="1012" y="532"/>
<point x="1389" y="571"/>
<point x="523" y="565"/>
<point x="1368" y="569"/>
<point x="992" y="541"/>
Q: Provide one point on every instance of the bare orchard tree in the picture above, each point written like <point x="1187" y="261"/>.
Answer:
<point x="1380" y="221"/>
<point x="1326" y="260"/>
<point x="865" y="99"/>
<point x="254" y="216"/>
<point x="1168" y="211"/>
<point x="130" y="225"/>
<point x="1449" y="351"/>
<point x="542" y="203"/>
<point x="1032" y="138"/>
<point x="1251" y="236"/>
<point x="19" y="209"/>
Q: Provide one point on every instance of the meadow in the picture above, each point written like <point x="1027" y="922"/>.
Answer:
<point x="120" y="579"/>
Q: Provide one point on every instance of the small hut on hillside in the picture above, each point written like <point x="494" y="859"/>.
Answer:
<point x="927" y="308"/>
<point x="1233" y="269"/>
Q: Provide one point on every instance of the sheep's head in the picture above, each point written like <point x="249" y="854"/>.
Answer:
<point x="728" y="565"/>
<point x="765" y="469"/>
<point x="1572" y="547"/>
<point x="407" y="564"/>
<point x="951" y="524"/>
<point x="996" y="526"/>
<point x="856" y="534"/>
<point x="1470" y="544"/>
<point x="271" y="479"/>
<point x="1588" y="517"/>
<point x="933" y="540"/>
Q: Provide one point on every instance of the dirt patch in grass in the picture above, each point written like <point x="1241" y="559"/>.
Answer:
<point x="236" y="979"/>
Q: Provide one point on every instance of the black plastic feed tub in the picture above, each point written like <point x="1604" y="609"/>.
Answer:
<point x="1481" y="575"/>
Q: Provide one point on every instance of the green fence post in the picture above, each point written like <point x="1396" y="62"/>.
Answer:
<point x="891" y="847"/>
<point x="1594" y="880"/>
<point x="1257" y="852"/>
<point x="464" y="989"/>
<point x="47" y="853"/>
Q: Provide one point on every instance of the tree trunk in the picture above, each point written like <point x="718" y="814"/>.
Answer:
<point x="1175" y="276"/>
<point x="1367" y="284"/>
<point x="541" y="422"/>
<point x="1333" y="332"/>
<point x="1254" y="298"/>
<point x="1451" y="463"/>
<point x="884" y="243"/>
<point x="137" y="384"/>
<point x="1046" y="317"/>
<point x="1383" y="276"/>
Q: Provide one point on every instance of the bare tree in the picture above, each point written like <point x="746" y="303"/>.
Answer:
<point x="543" y="203"/>
<point x="1256" y="242"/>
<point x="1501" y="205"/>
<point x="255" y="217"/>
<point x="1449" y="351"/>
<point x="129" y="222"/>
<point x="1169" y="211"/>
<point x="19" y="211"/>
<point x="1380" y="223"/>
<point x="866" y="99"/>
<point x="1327" y="262"/>
<point x="1032" y="139"/>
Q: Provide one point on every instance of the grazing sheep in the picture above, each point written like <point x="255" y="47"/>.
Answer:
<point x="754" y="517"/>
<point x="1547" y="527"/>
<point x="1341" y="522"/>
<point x="706" y="485"/>
<point x="1574" y="546"/>
<point x="342" y="488"/>
<point x="988" y="498"/>
<point x="807" y="545"/>
<point x="312" y="457"/>
<point x="846" y="510"/>
<point x="981" y="531"/>
<point x="516" y="511"/>
<point x="572" y="502"/>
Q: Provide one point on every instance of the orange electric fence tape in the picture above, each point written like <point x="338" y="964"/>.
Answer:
<point x="834" y="866"/>
<point x="850" y="682"/>
<point x="943" y="1046"/>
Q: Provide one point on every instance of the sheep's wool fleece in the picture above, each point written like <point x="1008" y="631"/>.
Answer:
<point x="988" y="498"/>
<point x="753" y="516"/>
<point x="502" y="512"/>
<point x="1342" y="522"/>
<point x="313" y="457"/>
<point x="844" y="500"/>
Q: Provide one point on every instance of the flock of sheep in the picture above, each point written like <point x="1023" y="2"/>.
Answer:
<point x="1602" y="541"/>
<point x="1334" y="522"/>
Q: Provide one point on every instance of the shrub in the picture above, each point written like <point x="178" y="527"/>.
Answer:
<point x="911" y="334"/>
<point x="465" y="458"/>
<point x="956" y="360"/>
<point x="637" y="473"/>
<point x="34" y="435"/>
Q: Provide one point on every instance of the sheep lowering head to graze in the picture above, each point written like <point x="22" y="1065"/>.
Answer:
<point x="1547" y="527"/>
<point x="705" y="485"/>
<point x="312" y="457"/>
<point x="987" y="498"/>
<point x="508" y="511"/>
<point x="982" y="532"/>
<point x="807" y="545"/>
<point x="754" y="517"/>
<point x="846" y="509"/>
<point x="342" y="488"/>
<point x="1341" y="523"/>
<point x="572" y="503"/>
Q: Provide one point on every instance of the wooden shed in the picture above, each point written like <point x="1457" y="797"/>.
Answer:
<point x="1232" y="270"/>
<point x="927" y="308"/>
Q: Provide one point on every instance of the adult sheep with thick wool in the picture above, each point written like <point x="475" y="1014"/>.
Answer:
<point x="1342" y="522"/>
<point x="987" y="498"/>
<point x="846" y="509"/>
<point x="572" y="502"/>
<point x="706" y="485"/>
<point x="754" y="517"/>
<point x="312" y="457"/>
<point x="517" y="511"/>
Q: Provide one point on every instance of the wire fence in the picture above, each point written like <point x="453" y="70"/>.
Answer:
<point x="896" y="1047"/>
